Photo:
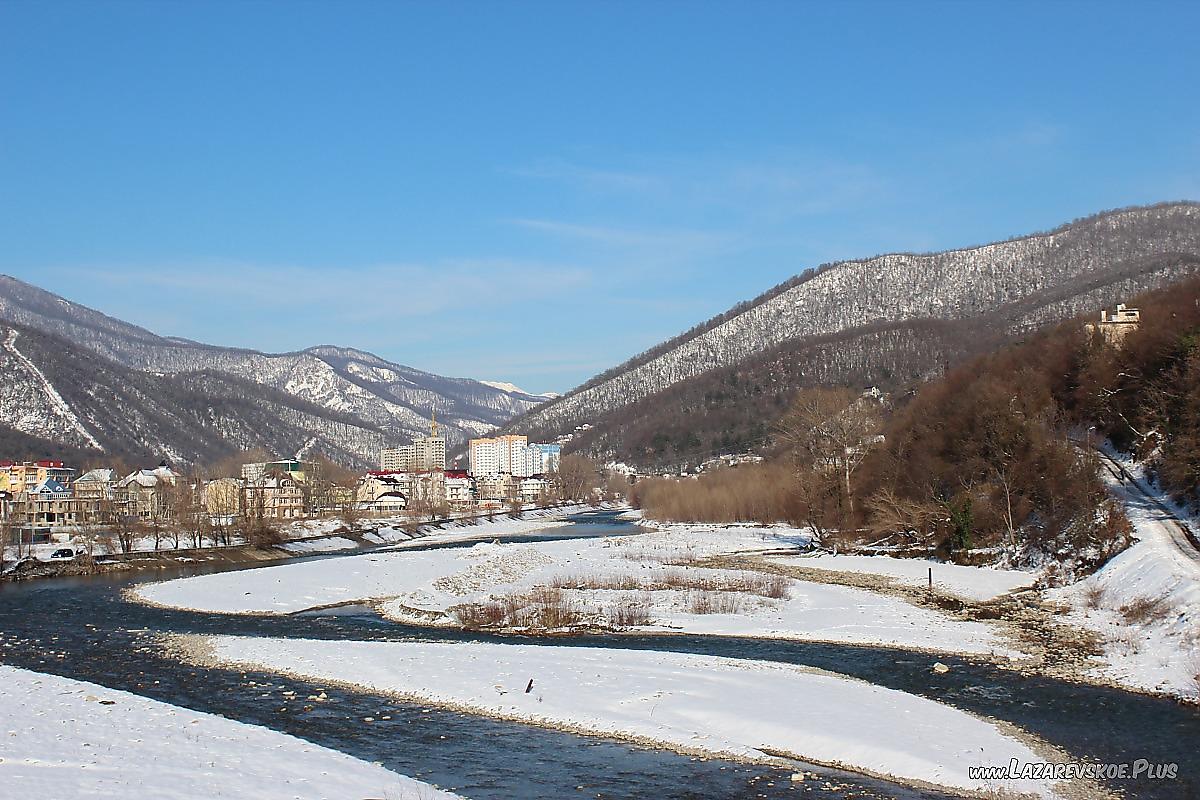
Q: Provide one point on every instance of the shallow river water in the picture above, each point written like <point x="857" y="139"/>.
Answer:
<point x="84" y="628"/>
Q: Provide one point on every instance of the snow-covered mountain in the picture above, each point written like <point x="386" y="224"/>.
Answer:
<point x="391" y="401"/>
<point x="61" y="400"/>
<point x="1013" y="286"/>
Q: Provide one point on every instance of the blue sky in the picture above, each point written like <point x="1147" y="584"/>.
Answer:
<point x="535" y="191"/>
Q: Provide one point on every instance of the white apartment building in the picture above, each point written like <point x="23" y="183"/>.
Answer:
<point x="512" y="455"/>
<point x="459" y="490"/>
<point x="427" y="454"/>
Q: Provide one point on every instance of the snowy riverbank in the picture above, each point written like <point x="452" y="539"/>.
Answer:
<point x="1145" y="602"/>
<point x="66" y="738"/>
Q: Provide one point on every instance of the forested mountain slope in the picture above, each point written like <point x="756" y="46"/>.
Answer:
<point x="884" y="320"/>
<point x="342" y="381"/>
<point x="57" y="395"/>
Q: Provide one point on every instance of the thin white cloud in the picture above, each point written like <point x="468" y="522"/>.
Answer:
<point x="774" y="187"/>
<point x="356" y="294"/>
<point x="680" y="239"/>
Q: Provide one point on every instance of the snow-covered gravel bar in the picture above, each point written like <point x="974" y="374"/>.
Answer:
<point x="422" y="588"/>
<point x="969" y="583"/>
<point x="700" y="704"/>
<point x="69" y="739"/>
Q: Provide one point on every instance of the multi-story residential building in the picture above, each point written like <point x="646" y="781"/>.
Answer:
<point x="277" y="496"/>
<point x="51" y="504"/>
<point x="545" y="458"/>
<point x="96" y="494"/>
<point x="145" y="494"/>
<point x="24" y="476"/>
<point x="482" y="457"/>
<point x="425" y="454"/>
<point x="460" y="489"/>
<point x="534" y="490"/>
<point x="222" y="499"/>
<point x="299" y="471"/>
<point x="495" y="488"/>
<point x="428" y="488"/>
<point x="512" y="455"/>
<point x="502" y="455"/>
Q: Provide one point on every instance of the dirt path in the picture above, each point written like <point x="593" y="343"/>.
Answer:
<point x="1173" y="529"/>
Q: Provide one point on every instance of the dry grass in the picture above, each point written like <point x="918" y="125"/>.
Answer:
<point x="679" y="557"/>
<point x="630" y="614"/>
<point x="1146" y="610"/>
<point x="705" y="602"/>
<point x="757" y="583"/>
<point x="543" y="607"/>
<point x="611" y="582"/>
<point x="479" y="615"/>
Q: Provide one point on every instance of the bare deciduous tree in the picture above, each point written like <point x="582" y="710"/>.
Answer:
<point x="831" y="430"/>
<point x="577" y="477"/>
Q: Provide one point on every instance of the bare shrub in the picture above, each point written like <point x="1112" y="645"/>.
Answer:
<point x="552" y="610"/>
<point x="630" y="613"/>
<point x="479" y="615"/>
<point x="773" y="586"/>
<point x="760" y="493"/>
<point x="1146" y="610"/>
<point x="705" y="602"/>
<point x="1093" y="596"/>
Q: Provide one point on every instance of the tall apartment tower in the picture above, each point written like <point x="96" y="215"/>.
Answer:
<point x="425" y="454"/>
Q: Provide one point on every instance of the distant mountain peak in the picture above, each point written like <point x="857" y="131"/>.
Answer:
<point x="341" y="383"/>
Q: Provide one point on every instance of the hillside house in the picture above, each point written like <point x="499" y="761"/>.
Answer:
<point x="1115" y="325"/>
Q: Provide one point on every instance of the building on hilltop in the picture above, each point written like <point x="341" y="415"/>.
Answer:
<point x="1115" y="325"/>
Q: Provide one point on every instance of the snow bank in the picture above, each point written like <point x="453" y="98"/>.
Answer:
<point x="1163" y="652"/>
<point x="695" y="703"/>
<point x="968" y="583"/>
<point x="421" y="588"/>
<point x="66" y="738"/>
<point x="328" y="544"/>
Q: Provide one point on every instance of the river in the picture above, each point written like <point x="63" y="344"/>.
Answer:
<point x="84" y="628"/>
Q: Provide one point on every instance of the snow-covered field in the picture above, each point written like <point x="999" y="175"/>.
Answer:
<point x="695" y="703"/>
<point x="65" y="738"/>
<point x="602" y="575"/>
<point x="1162" y="651"/>
<point x="969" y="583"/>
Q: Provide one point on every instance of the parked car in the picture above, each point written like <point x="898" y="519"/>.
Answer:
<point x="62" y="554"/>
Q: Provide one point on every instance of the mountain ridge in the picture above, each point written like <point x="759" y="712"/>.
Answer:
<point x="394" y="400"/>
<point x="1038" y="278"/>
